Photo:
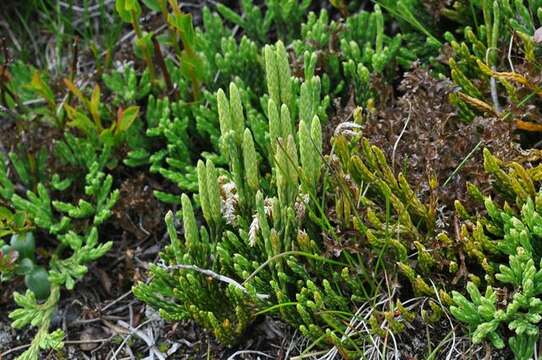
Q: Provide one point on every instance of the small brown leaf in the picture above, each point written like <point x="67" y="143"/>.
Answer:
<point x="105" y="280"/>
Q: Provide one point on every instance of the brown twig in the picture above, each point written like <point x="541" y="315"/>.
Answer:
<point x="89" y="341"/>
<point x="68" y="342"/>
<point x="163" y="68"/>
<point x="15" y="349"/>
<point x="123" y="296"/>
<point x="75" y="59"/>
<point x="463" y="272"/>
<point x="4" y="77"/>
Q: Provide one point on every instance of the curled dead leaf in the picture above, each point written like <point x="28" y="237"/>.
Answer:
<point x="528" y="126"/>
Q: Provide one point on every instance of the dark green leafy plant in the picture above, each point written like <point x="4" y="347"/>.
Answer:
<point x="283" y="16"/>
<point x="515" y="235"/>
<point x="53" y="218"/>
<point x="125" y="85"/>
<point x="353" y="52"/>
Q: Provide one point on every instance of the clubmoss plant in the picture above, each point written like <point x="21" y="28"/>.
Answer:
<point x="505" y="241"/>
<point x="249" y="232"/>
<point x="353" y="52"/>
<point x="53" y="218"/>
<point x="262" y="249"/>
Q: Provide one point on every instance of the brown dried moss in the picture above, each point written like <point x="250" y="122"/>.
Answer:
<point x="422" y="137"/>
